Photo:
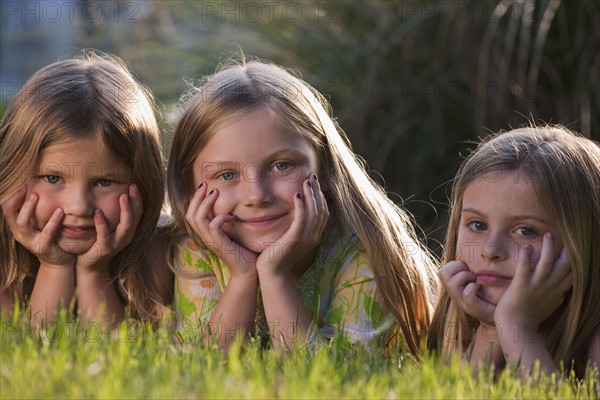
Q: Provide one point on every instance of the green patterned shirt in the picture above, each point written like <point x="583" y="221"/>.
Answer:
<point x="338" y="289"/>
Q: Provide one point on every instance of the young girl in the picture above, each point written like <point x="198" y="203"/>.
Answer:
<point x="521" y="274"/>
<point x="81" y="189"/>
<point x="269" y="199"/>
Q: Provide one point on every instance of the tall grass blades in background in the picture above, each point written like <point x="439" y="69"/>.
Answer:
<point x="412" y="82"/>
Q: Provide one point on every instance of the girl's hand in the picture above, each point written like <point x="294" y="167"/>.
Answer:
<point x="108" y="244"/>
<point x="19" y="212"/>
<point x="240" y="260"/>
<point x="461" y="286"/>
<point x="304" y="234"/>
<point x="534" y="294"/>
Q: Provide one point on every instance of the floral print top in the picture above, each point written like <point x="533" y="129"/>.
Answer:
<point x="338" y="289"/>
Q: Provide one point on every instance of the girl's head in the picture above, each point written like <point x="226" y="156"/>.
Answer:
<point x="245" y="108"/>
<point x="244" y="114"/>
<point x="83" y="119"/>
<point x="527" y="182"/>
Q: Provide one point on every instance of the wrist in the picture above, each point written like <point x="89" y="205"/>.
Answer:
<point x="86" y="275"/>
<point x="57" y="268"/>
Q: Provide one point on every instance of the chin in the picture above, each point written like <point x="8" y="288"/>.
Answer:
<point x="76" y="248"/>
<point x="490" y="295"/>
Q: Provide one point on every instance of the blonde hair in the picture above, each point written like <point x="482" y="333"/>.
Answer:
<point x="403" y="267"/>
<point x="92" y="95"/>
<point x="565" y="171"/>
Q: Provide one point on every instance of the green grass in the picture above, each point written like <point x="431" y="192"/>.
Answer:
<point x="71" y="361"/>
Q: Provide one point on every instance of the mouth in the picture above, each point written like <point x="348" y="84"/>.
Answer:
<point x="490" y="278"/>
<point x="82" y="231"/>
<point x="263" y="221"/>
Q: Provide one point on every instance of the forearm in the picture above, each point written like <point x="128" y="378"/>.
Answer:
<point x="235" y="311"/>
<point x="53" y="288"/>
<point x="287" y="316"/>
<point x="523" y="346"/>
<point x="97" y="298"/>
<point x="485" y="348"/>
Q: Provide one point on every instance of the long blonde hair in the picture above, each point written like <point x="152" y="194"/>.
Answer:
<point x="92" y="95"/>
<point x="403" y="267"/>
<point x="565" y="170"/>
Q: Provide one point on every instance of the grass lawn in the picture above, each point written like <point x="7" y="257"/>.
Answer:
<point x="72" y="361"/>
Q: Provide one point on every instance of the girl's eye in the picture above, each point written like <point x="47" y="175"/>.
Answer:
<point x="281" y="166"/>
<point x="53" y="179"/>
<point x="478" y="225"/>
<point x="526" y="231"/>
<point x="104" y="182"/>
<point x="227" y="176"/>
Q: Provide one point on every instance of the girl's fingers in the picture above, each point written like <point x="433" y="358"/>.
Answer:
<point x="544" y="266"/>
<point x="136" y="203"/>
<point x="126" y="218"/>
<point x="52" y="227"/>
<point x="451" y="269"/>
<point x="14" y="203"/>
<point x="561" y="264"/>
<point x="198" y="211"/>
<point x="195" y="202"/>
<point x="103" y="232"/>
<point x="24" y="216"/>
<point x="297" y="227"/>
<point x="523" y="269"/>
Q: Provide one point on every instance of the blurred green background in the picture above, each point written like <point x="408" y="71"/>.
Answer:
<point x="412" y="83"/>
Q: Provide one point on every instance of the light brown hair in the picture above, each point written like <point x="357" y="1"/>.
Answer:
<point x="92" y="95"/>
<point x="402" y="265"/>
<point x="564" y="169"/>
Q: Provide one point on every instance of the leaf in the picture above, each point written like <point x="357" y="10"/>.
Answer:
<point x="185" y="306"/>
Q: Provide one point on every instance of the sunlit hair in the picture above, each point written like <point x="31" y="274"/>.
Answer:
<point x="90" y="96"/>
<point x="564" y="169"/>
<point x="403" y="267"/>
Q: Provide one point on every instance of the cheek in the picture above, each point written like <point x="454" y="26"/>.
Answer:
<point x="111" y="209"/>
<point x="46" y="205"/>
<point x="288" y="185"/>
<point x="225" y="202"/>
<point x="465" y="247"/>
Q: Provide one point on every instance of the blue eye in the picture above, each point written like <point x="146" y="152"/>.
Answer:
<point x="281" y="166"/>
<point x="228" y="176"/>
<point x="53" y="179"/>
<point x="104" y="182"/>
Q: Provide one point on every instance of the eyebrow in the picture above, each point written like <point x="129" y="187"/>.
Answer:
<point x="514" y="217"/>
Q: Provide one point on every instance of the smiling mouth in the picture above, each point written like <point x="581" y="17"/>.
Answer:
<point x="262" y="221"/>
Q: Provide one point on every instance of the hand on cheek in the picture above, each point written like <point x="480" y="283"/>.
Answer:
<point x="209" y="228"/>
<point x="461" y="286"/>
<point x="310" y="216"/>
<point x="19" y="212"/>
<point x="535" y="291"/>
<point x="108" y="243"/>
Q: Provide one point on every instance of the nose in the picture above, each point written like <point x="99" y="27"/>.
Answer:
<point x="495" y="248"/>
<point x="78" y="201"/>
<point x="257" y="192"/>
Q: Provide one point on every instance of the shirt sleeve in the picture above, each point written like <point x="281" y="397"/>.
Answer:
<point x="356" y="309"/>
<point x="198" y="284"/>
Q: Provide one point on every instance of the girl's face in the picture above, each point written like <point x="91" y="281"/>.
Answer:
<point x="257" y="168"/>
<point x="78" y="177"/>
<point x="498" y="217"/>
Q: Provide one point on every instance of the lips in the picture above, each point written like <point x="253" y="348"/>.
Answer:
<point x="491" y="278"/>
<point x="263" y="221"/>
<point x="82" y="231"/>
